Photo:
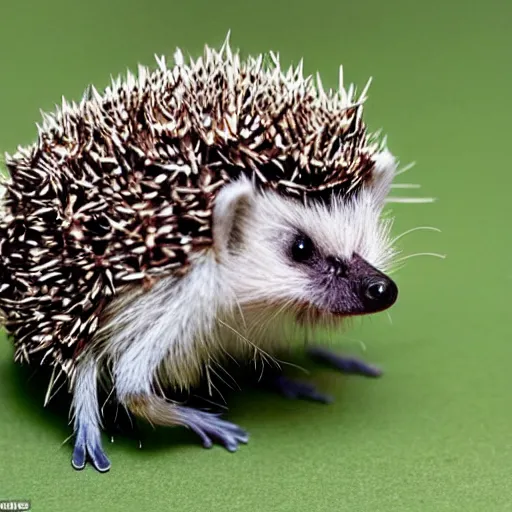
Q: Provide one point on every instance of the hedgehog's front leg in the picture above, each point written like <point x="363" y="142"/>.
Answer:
<point x="87" y="419"/>
<point x="342" y="363"/>
<point x="207" y="426"/>
<point x="135" y="385"/>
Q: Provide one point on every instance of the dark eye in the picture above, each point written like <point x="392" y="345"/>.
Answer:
<point x="302" y="248"/>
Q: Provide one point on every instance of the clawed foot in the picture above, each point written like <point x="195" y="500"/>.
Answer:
<point x="295" y="389"/>
<point x="344" y="364"/>
<point x="88" y="446"/>
<point x="208" y="425"/>
<point x="303" y="390"/>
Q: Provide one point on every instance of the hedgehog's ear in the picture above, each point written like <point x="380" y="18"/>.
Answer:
<point x="231" y="209"/>
<point x="383" y="175"/>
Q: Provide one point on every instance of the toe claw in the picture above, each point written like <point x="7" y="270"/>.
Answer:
<point x="231" y="447"/>
<point x="88" y="445"/>
<point x="78" y="459"/>
<point x="99" y="459"/>
<point x="321" y="397"/>
<point x="243" y="438"/>
<point x="207" y="425"/>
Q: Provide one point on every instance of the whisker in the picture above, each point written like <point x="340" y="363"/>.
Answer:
<point x="410" y="200"/>
<point x="412" y="230"/>
<point x="405" y="168"/>
<point x="434" y="254"/>
<point x="395" y="269"/>
<point x="405" y="185"/>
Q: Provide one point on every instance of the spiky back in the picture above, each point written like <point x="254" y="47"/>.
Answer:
<point x="119" y="189"/>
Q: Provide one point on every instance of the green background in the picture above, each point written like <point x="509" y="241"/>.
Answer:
<point x="436" y="432"/>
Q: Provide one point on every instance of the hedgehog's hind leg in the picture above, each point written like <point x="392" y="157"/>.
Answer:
<point x="295" y="389"/>
<point x="207" y="426"/>
<point x="87" y="421"/>
<point x="342" y="363"/>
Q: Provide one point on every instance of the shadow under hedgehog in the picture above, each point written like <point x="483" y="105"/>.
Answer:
<point x="182" y="218"/>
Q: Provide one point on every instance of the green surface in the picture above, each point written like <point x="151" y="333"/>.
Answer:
<point x="436" y="432"/>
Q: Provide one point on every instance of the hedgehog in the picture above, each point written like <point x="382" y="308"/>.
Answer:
<point x="182" y="218"/>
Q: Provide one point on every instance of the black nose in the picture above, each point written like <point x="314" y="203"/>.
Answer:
<point x="381" y="293"/>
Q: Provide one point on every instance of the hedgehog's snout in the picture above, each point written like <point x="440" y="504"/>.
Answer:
<point x="379" y="293"/>
<point x="375" y="289"/>
<point x="355" y="287"/>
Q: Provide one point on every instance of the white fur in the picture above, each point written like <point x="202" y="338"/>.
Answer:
<point x="182" y="326"/>
<point x="168" y="326"/>
<point x="261" y="271"/>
